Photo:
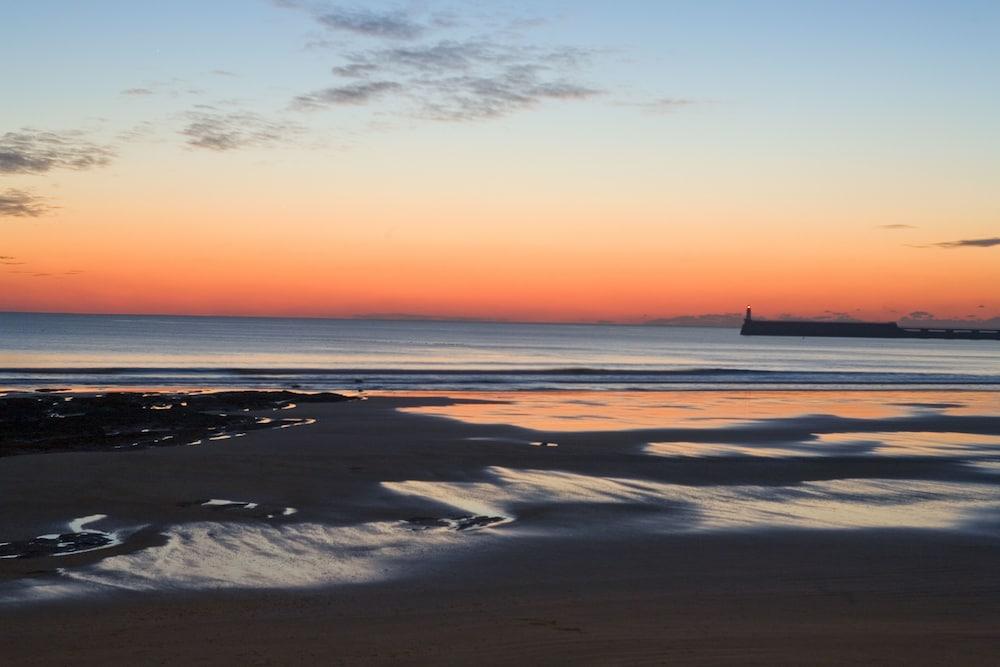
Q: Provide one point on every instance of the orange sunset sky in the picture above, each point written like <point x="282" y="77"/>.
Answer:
<point x="545" y="161"/>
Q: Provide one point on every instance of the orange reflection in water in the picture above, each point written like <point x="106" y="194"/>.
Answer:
<point x="598" y="411"/>
<point x="916" y="443"/>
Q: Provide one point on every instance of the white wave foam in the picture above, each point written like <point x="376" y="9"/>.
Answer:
<point x="220" y="555"/>
<point x="76" y="525"/>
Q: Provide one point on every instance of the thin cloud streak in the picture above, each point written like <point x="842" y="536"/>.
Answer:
<point x="969" y="243"/>
<point x="355" y="70"/>
<point x="356" y="93"/>
<point x="454" y="55"/>
<point x="665" y="105"/>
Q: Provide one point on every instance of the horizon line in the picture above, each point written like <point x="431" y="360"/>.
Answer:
<point x="682" y="321"/>
<point x="378" y="317"/>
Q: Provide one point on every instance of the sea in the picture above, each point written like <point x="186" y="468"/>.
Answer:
<point x="39" y="351"/>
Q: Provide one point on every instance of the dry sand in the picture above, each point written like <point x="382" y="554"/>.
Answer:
<point x="583" y="581"/>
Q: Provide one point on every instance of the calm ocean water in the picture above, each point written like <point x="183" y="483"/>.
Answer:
<point x="42" y="350"/>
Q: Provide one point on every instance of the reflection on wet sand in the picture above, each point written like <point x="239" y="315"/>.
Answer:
<point x="842" y="504"/>
<point x="913" y="443"/>
<point x="614" y="410"/>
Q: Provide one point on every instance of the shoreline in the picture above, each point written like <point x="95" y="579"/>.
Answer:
<point x="418" y="512"/>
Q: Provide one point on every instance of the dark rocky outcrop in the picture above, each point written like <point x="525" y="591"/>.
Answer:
<point x="50" y="422"/>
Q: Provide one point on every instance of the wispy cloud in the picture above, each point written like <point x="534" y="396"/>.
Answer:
<point x="10" y="260"/>
<point x="444" y="55"/>
<point x="479" y="64"/>
<point x="48" y="274"/>
<point x="32" y="151"/>
<point x="173" y="87"/>
<point x="22" y="204"/>
<point x="355" y="70"/>
<point x="391" y="25"/>
<point x="969" y="243"/>
<point x="665" y="105"/>
<point x="478" y="97"/>
<point x="222" y="131"/>
<point x="355" y="93"/>
<point x="385" y="24"/>
<point x="457" y="80"/>
<point x="897" y="226"/>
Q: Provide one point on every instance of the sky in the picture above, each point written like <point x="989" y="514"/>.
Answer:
<point x="543" y="160"/>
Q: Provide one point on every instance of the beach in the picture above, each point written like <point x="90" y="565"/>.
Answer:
<point x="535" y="333"/>
<point x="594" y="527"/>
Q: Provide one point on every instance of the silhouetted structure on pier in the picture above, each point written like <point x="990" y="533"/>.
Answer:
<point x="752" y="327"/>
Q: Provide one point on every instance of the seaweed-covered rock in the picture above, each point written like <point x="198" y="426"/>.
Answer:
<point x="52" y="421"/>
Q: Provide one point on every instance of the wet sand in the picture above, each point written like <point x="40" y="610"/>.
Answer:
<point x="606" y="553"/>
<point x="799" y="598"/>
